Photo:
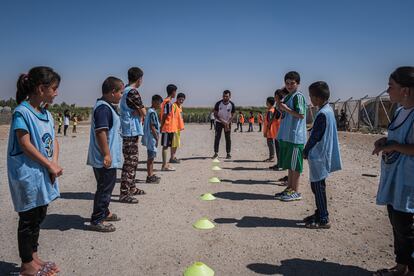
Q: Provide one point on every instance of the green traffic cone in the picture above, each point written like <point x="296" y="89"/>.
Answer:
<point x="214" y="179"/>
<point x="207" y="197"/>
<point x="203" y="224"/>
<point x="198" y="269"/>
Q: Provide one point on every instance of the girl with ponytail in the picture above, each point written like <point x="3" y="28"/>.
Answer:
<point x="32" y="163"/>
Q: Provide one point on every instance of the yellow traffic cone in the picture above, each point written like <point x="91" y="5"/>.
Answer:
<point x="214" y="179"/>
<point x="203" y="224"/>
<point x="198" y="269"/>
<point x="207" y="197"/>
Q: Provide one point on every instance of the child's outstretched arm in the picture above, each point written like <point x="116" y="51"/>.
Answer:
<point x="102" y="140"/>
<point x="23" y="137"/>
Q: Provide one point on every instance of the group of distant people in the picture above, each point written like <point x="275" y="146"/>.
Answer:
<point x="65" y="120"/>
<point x="33" y="152"/>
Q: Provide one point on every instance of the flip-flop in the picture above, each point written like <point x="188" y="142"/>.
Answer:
<point x="168" y="169"/>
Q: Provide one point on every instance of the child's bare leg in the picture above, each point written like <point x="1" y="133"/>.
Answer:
<point x="173" y="151"/>
<point x="150" y="167"/>
<point x="289" y="185"/>
<point x="294" y="182"/>
<point x="164" y="157"/>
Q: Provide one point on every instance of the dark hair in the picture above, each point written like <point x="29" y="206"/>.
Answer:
<point x="111" y="84"/>
<point x="134" y="74"/>
<point x="280" y="93"/>
<point x="293" y="75"/>
<point x="227" y="92"/>
<point x="270" y="100"/>
<point x="404" y="76"/>
<point x="171" y="88"/>
<point x="157" y="98"/>
<point x="320" y="89"/>
<point x="181" y="95"/>
<point x="27" y="83"/>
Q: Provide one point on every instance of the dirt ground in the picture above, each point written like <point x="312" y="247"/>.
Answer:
<point x="254" y="234"/>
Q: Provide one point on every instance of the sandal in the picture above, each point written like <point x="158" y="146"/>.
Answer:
<point x="138" y="192"/>
<point x="168" y="169"/>
<point x="128" y="199"/>
<point x="100" y="227"/>
<point x="112" y="217"/>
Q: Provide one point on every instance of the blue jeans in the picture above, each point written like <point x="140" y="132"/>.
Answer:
<point x="105" y="179"/>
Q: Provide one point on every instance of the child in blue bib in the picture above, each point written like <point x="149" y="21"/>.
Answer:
<point x="32" y="163"/>
<point x="105" y="153"/>
<point x="396" y="187"/>
<point x="322" y="152"/>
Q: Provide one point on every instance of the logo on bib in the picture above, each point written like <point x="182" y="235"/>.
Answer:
<point x="48" y="144"/>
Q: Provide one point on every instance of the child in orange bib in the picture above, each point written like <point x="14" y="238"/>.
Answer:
<point x="271" y="127"/>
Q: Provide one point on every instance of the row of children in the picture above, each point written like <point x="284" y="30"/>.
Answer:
<point x="240" y="120"/>
<point x="65" y="120"/>
<point x="33" y="151"/>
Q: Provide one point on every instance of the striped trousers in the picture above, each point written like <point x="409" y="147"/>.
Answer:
<point x="319" y="190"/>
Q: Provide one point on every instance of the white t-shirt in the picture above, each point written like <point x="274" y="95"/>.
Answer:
<point x="224" y="111"/>
<point x="66" y="121"/>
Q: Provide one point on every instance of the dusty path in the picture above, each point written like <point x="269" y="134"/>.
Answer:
<point x="254" y="234"/>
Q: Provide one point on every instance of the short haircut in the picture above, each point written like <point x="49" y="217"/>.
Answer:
<point x="181" y="95"/>
<point x="134" y="74"/>
<point x="404" y="76"/>
<point x="227" y="92"/>
<point x="171" y="88"/>
<point x="111" y="84"/>
<point x="270" y="100"/>
<point x="157" y="98"/>
<point x="292" y="75"/>
<point x="320" y="89"/>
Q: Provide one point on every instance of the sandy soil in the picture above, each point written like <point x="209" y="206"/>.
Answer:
<point x="254" y="234"/>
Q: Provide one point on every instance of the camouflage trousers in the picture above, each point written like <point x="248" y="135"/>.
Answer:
<point x="130" y="151"/>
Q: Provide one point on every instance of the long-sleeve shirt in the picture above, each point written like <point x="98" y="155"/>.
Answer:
<point x="318" y="130"/>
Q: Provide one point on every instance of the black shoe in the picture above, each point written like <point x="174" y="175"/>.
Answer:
<point x="153" y="179"/>
<point x="228" y="156"/>
<point x="215" y="155"/>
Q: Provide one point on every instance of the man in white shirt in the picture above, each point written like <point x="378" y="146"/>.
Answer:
<point x="223" y="112"/>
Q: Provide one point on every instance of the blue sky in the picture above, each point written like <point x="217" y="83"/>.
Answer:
<point x="205" y="47"/>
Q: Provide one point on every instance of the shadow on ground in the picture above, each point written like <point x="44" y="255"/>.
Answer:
<point x="250" y="181"/>
<point x="64" y="222"/>
<point x="247" y="161"/>
<point x="9" y="268"/>
<point x="294" y="267"/>
<point x="252" y="222"/>
<point x="243" y="196"/>
<point x="246" y="169"/>
<point x="77" y="195"/>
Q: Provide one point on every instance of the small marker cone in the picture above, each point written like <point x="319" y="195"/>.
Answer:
<point x="203" y="224"/>
<point x="216" y="168"/>
<point x="207" y="197"/>
<point x="214" y="179"/>
<point x="216" y="161"/>
<point x="198" y="269"/>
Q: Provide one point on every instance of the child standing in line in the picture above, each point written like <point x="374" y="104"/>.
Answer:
<point x="151" y="137"/>
<point x="271" y="127"/>
<point x="292" y="136"/>
<point x="60" y="121"/>
<point x="132" y="112"/>
<point x="75" y="123"/>
<point x="322" y="152"/>
<point x="240" y="122"/>
<point x="168" y="125"/>
<point x="396" y="189"/>
<point x="260" y="120"/>
<point x="178" y="110"/>
<point x="66" y="119"/>
<point x="32" y="163"/>
<point x="277" y="115"/>
<point x="251" y="122"/>
<point x="104" y="153"/>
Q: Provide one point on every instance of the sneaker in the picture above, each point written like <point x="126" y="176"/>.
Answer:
<point x="291" y="196"/>
<point x="215" y="155"/>
<point x="318" y="225"/>
<point x="153" y="179"/>
<point x="228" y="156"/>
<point x="279" y="195"/>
